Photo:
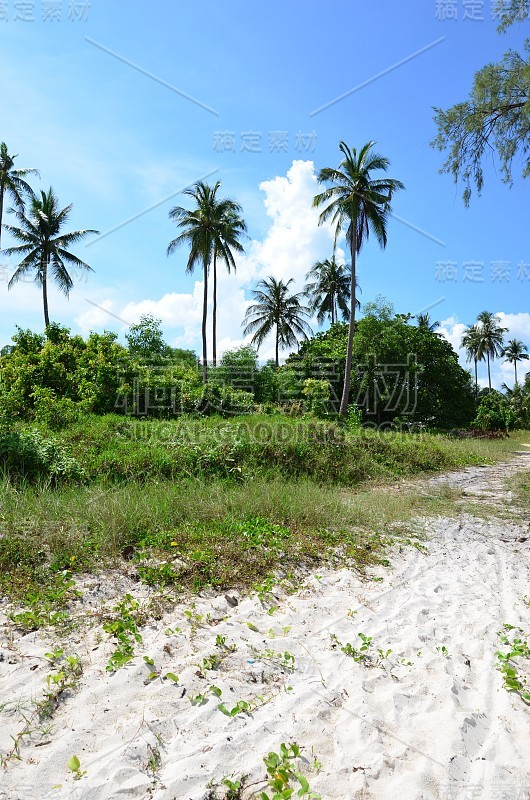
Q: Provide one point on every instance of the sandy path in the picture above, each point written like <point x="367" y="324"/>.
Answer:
<point x="422" y="723"/>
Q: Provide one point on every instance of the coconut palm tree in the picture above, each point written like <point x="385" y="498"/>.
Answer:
<point x="492" y="336"/>
<point x="514" y="352"/>
<point x="329" y="290"/>
<point x="197" y="232"/>
<point x="473" y="345"/>
<point x="44" y="246"/>
<point x="12" y="181"/>
<point x="277" y="311"/>
<point x="424" y="322"/>
<point x="212" y="230"/>
<point x="357" y="203"/>
<point x="230" y="228"/>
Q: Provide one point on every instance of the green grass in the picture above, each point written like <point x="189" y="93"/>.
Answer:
<point x="211" y="503"/>
<point x="520" y="486"/>
<point x="114" y="449"/>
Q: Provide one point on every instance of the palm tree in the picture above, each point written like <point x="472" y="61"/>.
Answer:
<point x="492" y="336"/>
<point x="44" y="246"/>
<point x="230" y="228"/>
<point x="197" y="231"/>
<point x="12" y="181"/>
<point x="211" y="230"/>
<point x="330" y="290"/>
<point x="358" y="203"/>
<point x="514" y="352"/>
<point x="473" y="345"/>
<point x="276" y="310"/>
<point x="424" y="322"/>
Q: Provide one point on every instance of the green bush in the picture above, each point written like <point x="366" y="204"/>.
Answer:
<point x="54" y="412"/>
<point x="317" y="394"/>
<point x="27" y="454"/>
<point x="494" y="413"/>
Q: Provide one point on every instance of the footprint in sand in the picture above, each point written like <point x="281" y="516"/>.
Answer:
<point x="474" y="733"/>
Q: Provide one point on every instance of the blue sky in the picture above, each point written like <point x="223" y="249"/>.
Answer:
<point x="116" y="142"/>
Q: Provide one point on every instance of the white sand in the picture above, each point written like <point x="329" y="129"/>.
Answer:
<point x="442" y="726"/>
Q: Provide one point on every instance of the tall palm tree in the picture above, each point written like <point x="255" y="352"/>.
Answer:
<point x="230" y="228"/>
<point x="43" y="245"/>
<point x="197" y="231"/>
<point x="212" y="230"/>
<point x="329" y="290"/>
<point x="277" y="311"/>
<point x="359" y="204"/>
<point x="492" y="336"/>
<point x="12" y="181"/>
<point x="473" y="345"/>
<point x="514" y="352"/>
<point x="424" y="322"/>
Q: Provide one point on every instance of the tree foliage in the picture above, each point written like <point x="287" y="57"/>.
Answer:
<point x="278" y="312"/>
<point x="146" y="340"/>
<point x="12" y="181"/>
<point x="399" y="370"/>
<point x="43" y="245"/>
<point x="495" y="118"/>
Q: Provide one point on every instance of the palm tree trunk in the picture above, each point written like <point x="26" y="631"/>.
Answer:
<point x="515" y="367"/>
<point x="204" y="320"/>
<point x="476" y="379"/>
<point x="347" y="372"/>
<point x="489" y="373"/>
<point x="332" y="309"/>
<point x="277" y="345"/>
<point x="45" y="291"/>
<point x="214" y="310"/>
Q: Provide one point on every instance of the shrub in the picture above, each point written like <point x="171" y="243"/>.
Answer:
<point x="28" y="455"/>
<point x="494" y="413"/>
<point x="54" y="412"/>
<point x="317" y="394"/>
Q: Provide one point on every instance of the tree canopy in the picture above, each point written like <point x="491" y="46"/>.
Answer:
<point x="495" y="117"/>
<point x="399" y="370"/>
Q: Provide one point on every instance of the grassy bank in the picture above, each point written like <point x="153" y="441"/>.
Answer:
<point x="113" y="449"/>
<point x="193" y="504"/>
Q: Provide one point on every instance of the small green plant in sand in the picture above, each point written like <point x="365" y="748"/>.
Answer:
<point x="443" y="651"/>
<point x="74" y="765"/>
<point x="153" y="673"/>
<point x="272" y="634"/>
<point x="42" y="603"/>
<point x="514" y="662"/>
<point x="65" y="676"/>
<point x="124" y="628"/>
<point x="220" y="642"/>
<point x="154" y="760"/>
<point x="195" y="619"/>
<point x="241" y="707"/>
<point x="284" y="778"/>
<point x="360" y="653"/>
<point x="199" y="699"/>
<point x="284" y="661"/>
<point x="234" y="787"/>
